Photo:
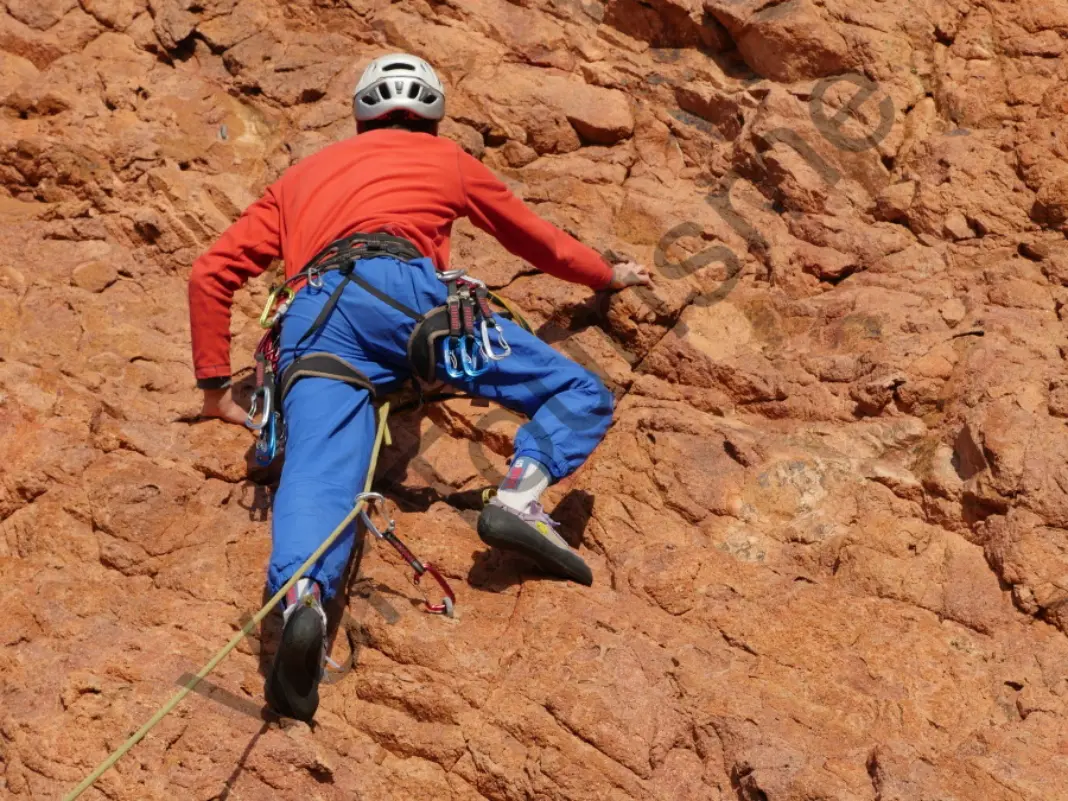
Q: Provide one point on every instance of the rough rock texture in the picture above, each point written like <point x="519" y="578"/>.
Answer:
<point x="829" y="526"/>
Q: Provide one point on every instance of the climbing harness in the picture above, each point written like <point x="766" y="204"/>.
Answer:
<point x="466" y="316"/>
<point x="462" y="325"/>
<point x="269" y="392"/>
<point x="448" y="602"/>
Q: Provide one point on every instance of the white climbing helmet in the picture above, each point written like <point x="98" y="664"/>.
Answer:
<point x="398" y="82"/>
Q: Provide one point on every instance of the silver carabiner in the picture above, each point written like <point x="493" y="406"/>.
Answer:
<point x="250" y="421"/>
<point x="502" y="343"/>
<point x="366" y="518"/>
<point x="451" y="275"/>
<point x="315" y="278"/>
<point x="278" y="315"/>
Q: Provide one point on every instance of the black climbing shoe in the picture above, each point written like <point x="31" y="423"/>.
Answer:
<point x="532" y="534"/>
<point x="293" y="685"/>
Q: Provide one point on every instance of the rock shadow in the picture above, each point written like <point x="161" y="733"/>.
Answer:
<point x="239" y="768"/>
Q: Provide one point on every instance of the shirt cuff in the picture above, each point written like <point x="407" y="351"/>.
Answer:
<point x="215" y="382"/>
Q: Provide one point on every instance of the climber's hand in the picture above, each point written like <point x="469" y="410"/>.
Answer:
<point x="629" y="273"/>
<point x="220" y="403"/>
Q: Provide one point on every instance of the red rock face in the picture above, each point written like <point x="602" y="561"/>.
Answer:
<point x="829" y="526"/>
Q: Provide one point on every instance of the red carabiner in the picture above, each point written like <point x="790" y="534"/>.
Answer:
<point x="448" y="603"/>
<point x="447" y="606"/>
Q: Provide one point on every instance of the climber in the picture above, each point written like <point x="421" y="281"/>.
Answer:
<point x="385" y="200"/>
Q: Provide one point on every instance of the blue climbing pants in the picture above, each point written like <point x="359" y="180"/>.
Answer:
<point x="330" y="425"/>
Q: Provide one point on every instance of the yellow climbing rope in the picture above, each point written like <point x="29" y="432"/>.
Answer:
<point x="381" y="435"/>
<point x="517" y="317"/>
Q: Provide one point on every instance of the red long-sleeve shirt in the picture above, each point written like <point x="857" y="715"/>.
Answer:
<point x="408" y="184"/>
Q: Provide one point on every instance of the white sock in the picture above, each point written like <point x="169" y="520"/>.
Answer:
<point x="304" y="586"/>
<point x="524" y="484"/>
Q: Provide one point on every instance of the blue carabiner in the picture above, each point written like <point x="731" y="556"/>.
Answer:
<point x="267" y="441"/>
<point x="469" y="360"/>
<point x="454" y="354"/>
<point x="502" y="343"/>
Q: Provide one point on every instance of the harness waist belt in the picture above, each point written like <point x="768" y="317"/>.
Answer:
<point x="342" y="255"/>
<point x="360" y="246"/>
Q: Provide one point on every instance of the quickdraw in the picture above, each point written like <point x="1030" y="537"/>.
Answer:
<point x="264" y="403"/>
<point x="454" y="350"/>
<point x="489" y="319"/>
<point x="447" y="606"/>
<point x="473" y="358"/>
<point x="468" y="349"/>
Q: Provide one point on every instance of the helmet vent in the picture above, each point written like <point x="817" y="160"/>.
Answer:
<point x="398" y="66"/>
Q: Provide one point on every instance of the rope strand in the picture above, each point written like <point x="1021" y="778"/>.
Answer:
<point x="381" y="435"/>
